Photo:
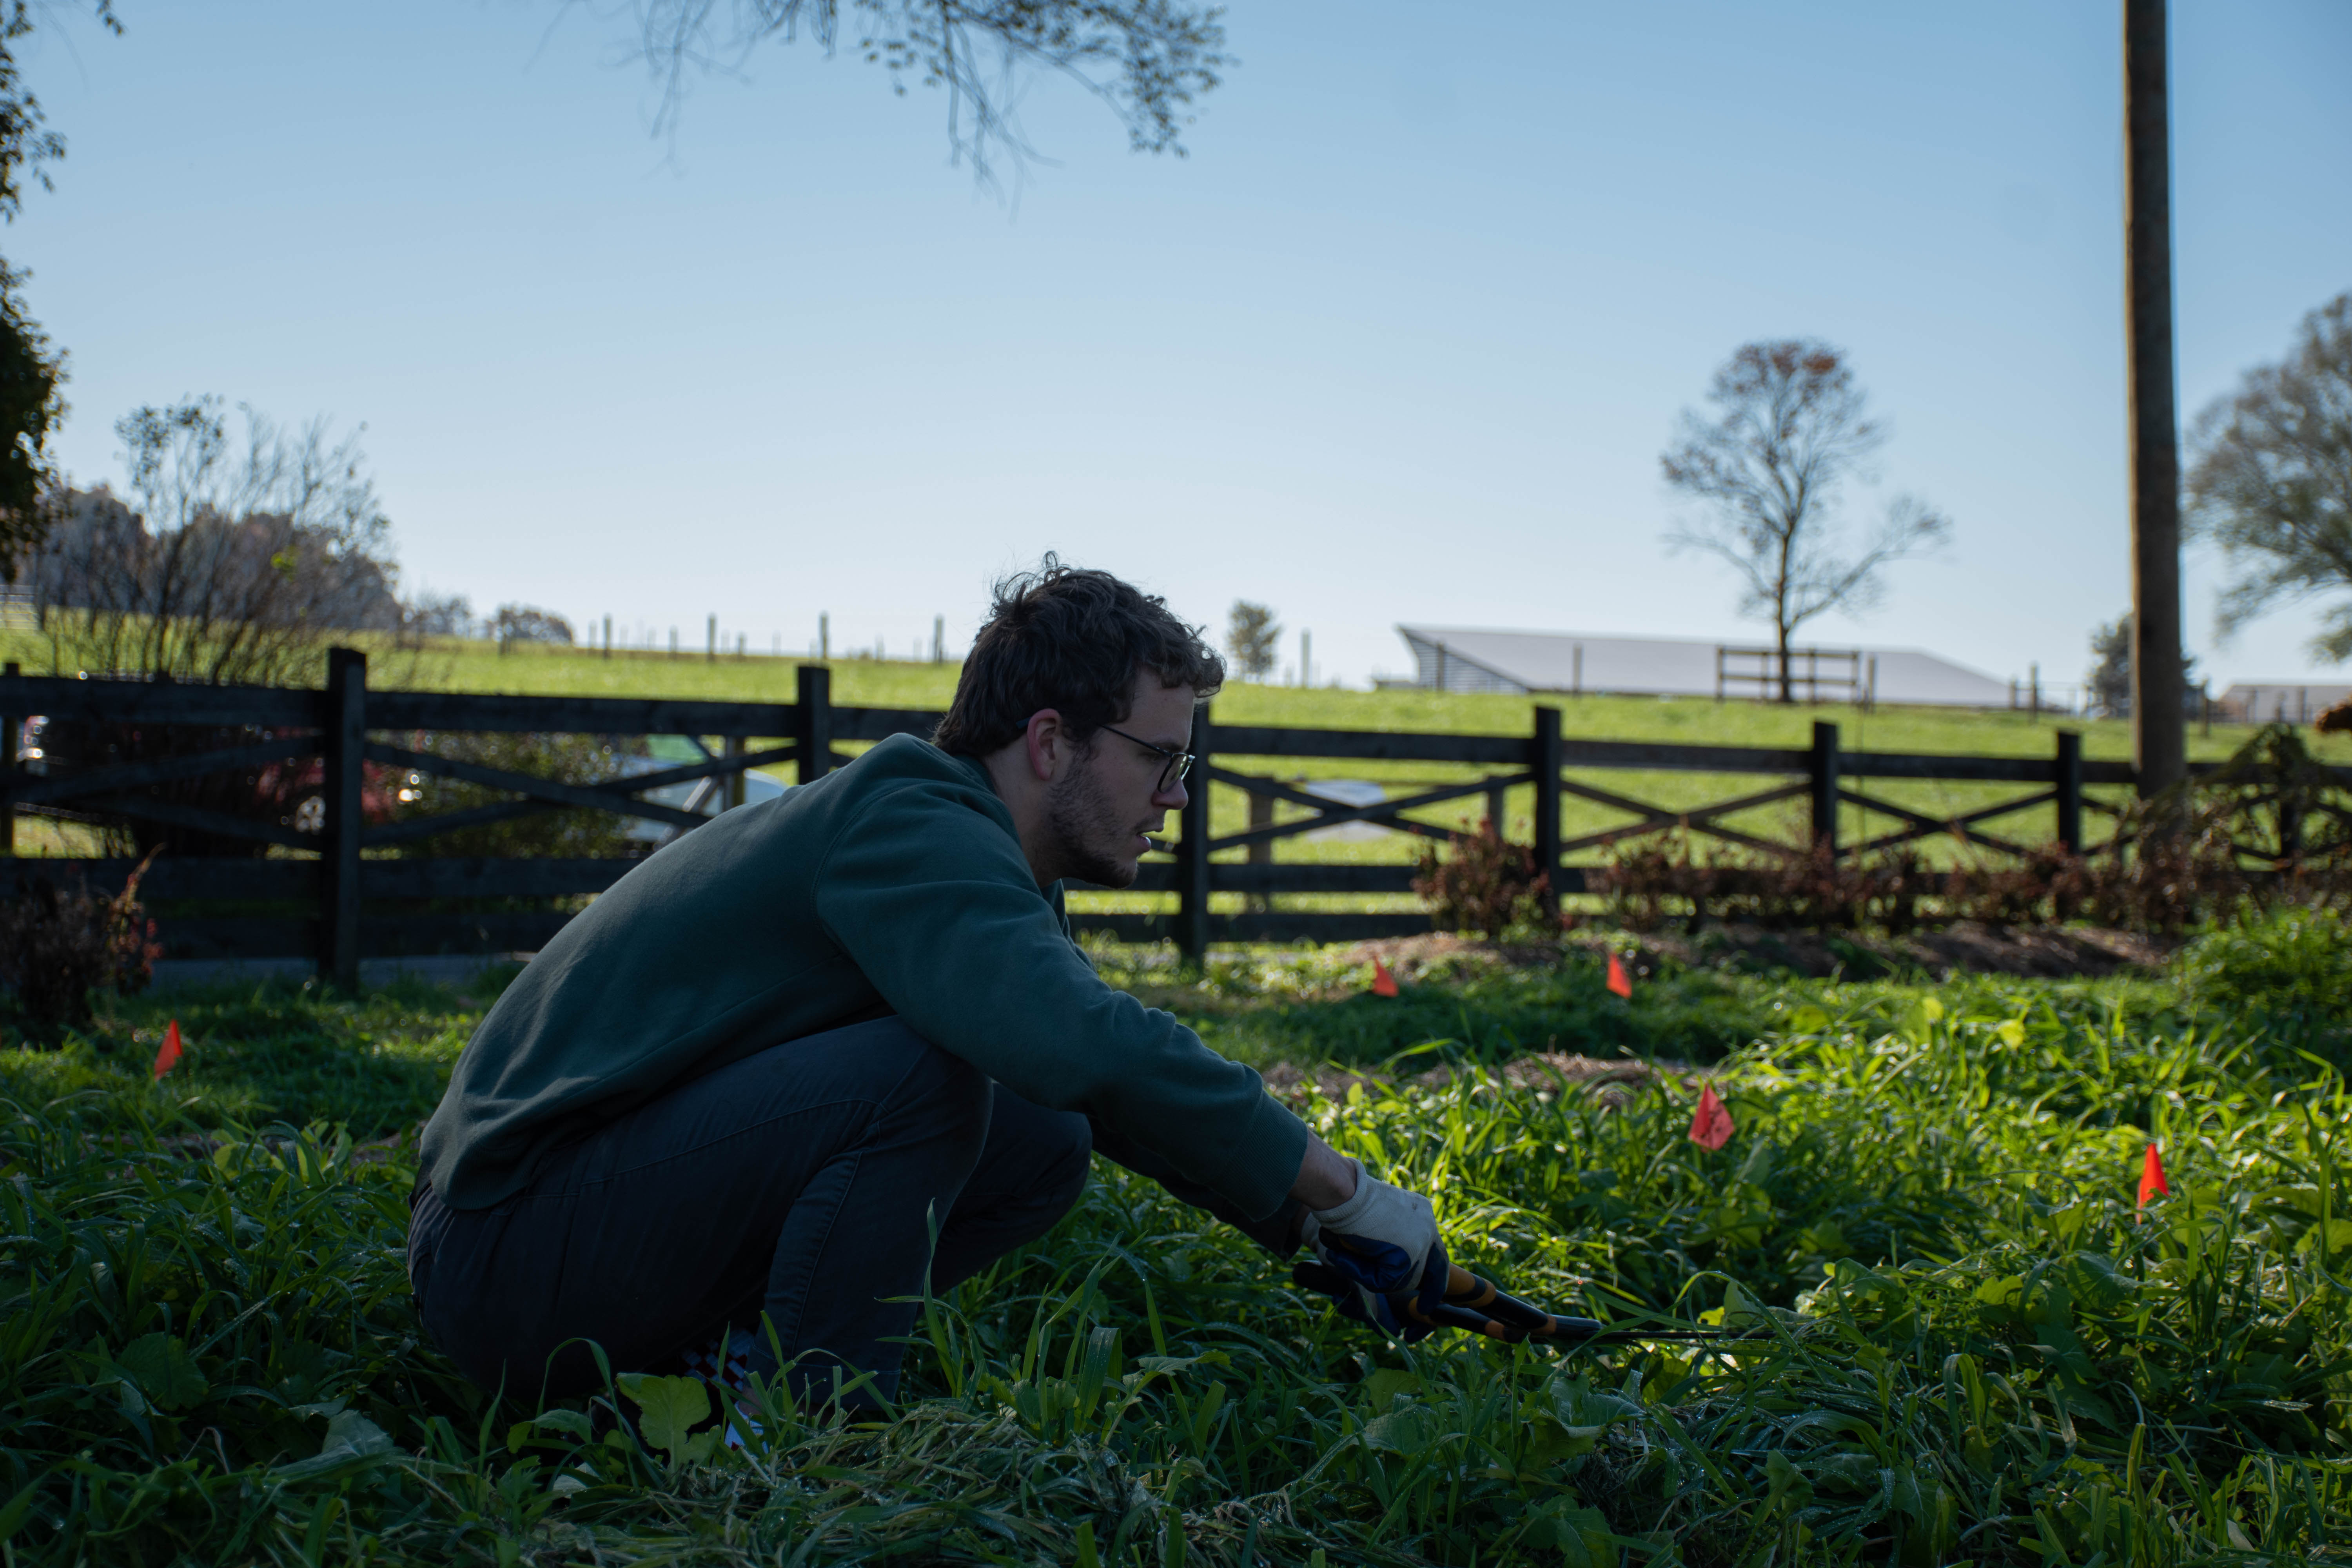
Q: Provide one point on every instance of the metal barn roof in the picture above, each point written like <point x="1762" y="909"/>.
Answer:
<point x="1476" y="659"/>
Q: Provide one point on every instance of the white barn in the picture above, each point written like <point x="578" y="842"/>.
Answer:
<point x="1473" y="659"/>
<point x="2276" y="701"/>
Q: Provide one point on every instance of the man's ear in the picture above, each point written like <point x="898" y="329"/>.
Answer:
<point x="1048" y="744"/>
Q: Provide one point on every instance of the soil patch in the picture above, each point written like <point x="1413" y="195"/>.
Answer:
<point x="1554" y="1072"/>
<point x="1964" y="947"/>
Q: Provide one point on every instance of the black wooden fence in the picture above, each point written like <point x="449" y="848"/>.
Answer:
<point x="325" y="895"/>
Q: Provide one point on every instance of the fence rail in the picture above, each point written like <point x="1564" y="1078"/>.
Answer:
<point x="325" y="896"/>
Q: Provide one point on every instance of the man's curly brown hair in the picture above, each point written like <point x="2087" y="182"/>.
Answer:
<point x="1072" y="640"/>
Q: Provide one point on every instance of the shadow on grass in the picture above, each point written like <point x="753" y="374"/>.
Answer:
<point x="275" y="1050"/>
<point x="1481" y="1014"/>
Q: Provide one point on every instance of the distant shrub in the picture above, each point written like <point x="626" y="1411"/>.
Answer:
<point x="1657" y="878"/>
<point x="528" y="623"/>
<point x="56" y="947"/>
<point x="1486" y="885"/>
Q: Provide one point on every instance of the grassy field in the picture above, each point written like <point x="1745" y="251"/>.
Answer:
<point x="1972" y="1345"/>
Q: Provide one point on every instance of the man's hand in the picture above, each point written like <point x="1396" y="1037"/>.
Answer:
<point x="1381" y="1256"/>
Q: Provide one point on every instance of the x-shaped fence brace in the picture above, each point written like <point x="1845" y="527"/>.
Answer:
<point x="617" y="795"/>
<point x="106" y="790"/>
<point x="1923" y="826"/>
<point x="1651" y="817"/>
<point x="1658" y="819"/>
<point x="102" y="789"/>
<point x="1332" y="814"/>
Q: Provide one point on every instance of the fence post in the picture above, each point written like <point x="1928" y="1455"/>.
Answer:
<point x="1192" y="849"/>
<point x="813" y="721"/>
<point x="736" y="789"/>
<point x="1544" y="762"/>
<point x="2069" y="791"/>
<point x="1823" y="769"/>
<point x="1261" y="815"/>
<point x="345" y="738"/>
<point x="12" y="734"/>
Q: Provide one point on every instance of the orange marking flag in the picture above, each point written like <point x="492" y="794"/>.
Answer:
<point x="1711" y="1125"/>
<point x="169" y="1056"/>
<point x="1619" y="980"/>
<point x="1383" y="983"/>
<point x="2151" y="1178"/>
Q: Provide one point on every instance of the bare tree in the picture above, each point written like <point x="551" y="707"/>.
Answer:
<point x="432" y="615"/>
<point x="232" y="561"/>
<point x="2273" y="481"/>
<point x="1791" y="430"/>
<point x="1146" y="59"/>
<point x="1252" y="636"/>
<point x="528" y="623"/>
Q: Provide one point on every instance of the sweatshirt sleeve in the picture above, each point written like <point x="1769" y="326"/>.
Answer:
<point x="928" y="895"/>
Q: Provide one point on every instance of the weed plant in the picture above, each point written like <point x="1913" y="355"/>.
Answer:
<point x="1967" y="1340"/>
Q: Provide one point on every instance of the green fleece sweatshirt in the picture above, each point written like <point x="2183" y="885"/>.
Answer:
<point x="893" y="885"/>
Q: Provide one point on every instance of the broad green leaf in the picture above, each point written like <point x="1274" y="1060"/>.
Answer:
<point x="166" y="1372"/>
<point x="1584" y="1540"/>
<point x="1387" y="1383"/>
<point x="351" y="1439"/>
<point x="2338" y="1237"/>
<point x="1406" y="1431"/>
<point x="666" y="1407"/>
<point x="2097" y="1282"/>
<point x="1808" y="1021"/>
<point x="1785" y="1480"/>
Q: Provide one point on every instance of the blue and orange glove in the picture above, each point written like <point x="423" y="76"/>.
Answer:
<point x="1380" y="1258"/>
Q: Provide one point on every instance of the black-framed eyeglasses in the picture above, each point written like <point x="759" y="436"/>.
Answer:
<point x="1179" y="763"/>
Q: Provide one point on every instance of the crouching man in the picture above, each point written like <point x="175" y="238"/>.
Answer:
<point x="744" y="1086"/>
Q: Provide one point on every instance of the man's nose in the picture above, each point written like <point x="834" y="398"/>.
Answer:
<point x="1173" y="797"/>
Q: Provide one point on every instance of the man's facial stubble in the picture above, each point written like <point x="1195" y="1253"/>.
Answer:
<point x="1086" y="827"/>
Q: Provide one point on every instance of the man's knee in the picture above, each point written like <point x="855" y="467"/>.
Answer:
<point x="940" y="1096"/>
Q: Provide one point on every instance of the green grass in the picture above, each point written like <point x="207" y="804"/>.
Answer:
<point x="1972" y="1345"/>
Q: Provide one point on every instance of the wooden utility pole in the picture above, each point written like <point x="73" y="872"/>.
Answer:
<point x="2160" y="737"/>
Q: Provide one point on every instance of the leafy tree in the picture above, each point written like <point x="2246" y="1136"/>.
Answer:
<point x="30" y="408"/>
<point x="2110" y="677"/>
<point x="2272" y="483"/>
<point x="1146" y="59"/>
<point x="1252" y="635"/>
<point x="31" y="372"/>
<point x="1792" y="428"/>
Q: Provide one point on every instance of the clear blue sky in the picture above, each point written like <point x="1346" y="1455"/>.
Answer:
<point x="1399" y="340"/>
